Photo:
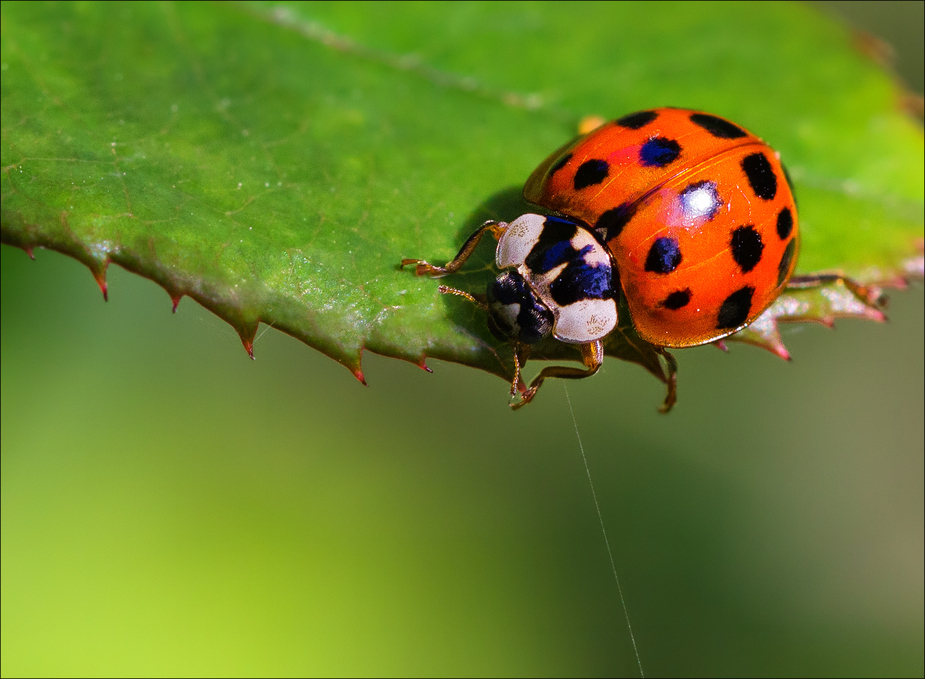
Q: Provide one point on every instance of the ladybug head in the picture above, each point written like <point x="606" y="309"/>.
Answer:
<point x="515" y="313"/>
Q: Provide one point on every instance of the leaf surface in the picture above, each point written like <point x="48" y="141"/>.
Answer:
<point x="276" y="162"/>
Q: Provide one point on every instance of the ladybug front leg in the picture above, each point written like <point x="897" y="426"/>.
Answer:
<point x="592" y="355"/>
<point x="422" y="268"/>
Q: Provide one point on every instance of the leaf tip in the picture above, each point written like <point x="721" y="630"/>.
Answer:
<point x="247" y="339"/>
<point x="247" y="331"/>
<point x="100" y="276"/>
<point x="764" y="333"/>
<point x="779" y="349"/>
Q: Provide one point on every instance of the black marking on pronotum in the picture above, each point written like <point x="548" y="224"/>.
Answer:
<point x="718" y="127"/>
<point x="746" y="247"/>
<point x="664" y="256"/>
<point x="760" y="174"/>
<point x="553" y="247"/>
<point x="735" y="309"/>
<point x="590" y="172"/>
<point x="635" y="121"/>
<point x="580" y="281"/>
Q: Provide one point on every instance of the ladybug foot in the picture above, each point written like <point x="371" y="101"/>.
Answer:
<point x="592" y="355"/>
<point x="422" y="268"/>
<point x="525" y="398"/>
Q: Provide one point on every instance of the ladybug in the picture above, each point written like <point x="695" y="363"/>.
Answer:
<point x="687" y="215"/>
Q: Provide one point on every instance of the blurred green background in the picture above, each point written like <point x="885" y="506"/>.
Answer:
<point x="170" y="507"/>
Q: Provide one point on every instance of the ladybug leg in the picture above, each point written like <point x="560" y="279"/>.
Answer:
<point x="671" y="381"/>
<point x="422" y="268"/>
<point x="447" y="290"/>
<point x="521" y="353"/>
<point x="869" y="295"/>
<point x="592" y="355"/>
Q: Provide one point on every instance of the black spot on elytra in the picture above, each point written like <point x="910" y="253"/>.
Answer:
<point x="735" y="309"/>
<point x="717" y="126"/>
<point x="746" y="247"/>
<point x="664" y="256"/>
<point x="554" y="246"/>
<point x="784" y="223"/>
<point x="560" y="164"/>
<point x="591" y="172"/>
<point x="635" y="121"/>
<point x="760" y="175"/>
<point x="659" y="152"/>
<point x="611" y="222"/>
<point x="677" y="300"/>
<point x="700" y="201"/>
<point x="784" y="267"/>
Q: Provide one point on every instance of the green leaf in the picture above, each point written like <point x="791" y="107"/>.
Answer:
<point x="276" y="162"/>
